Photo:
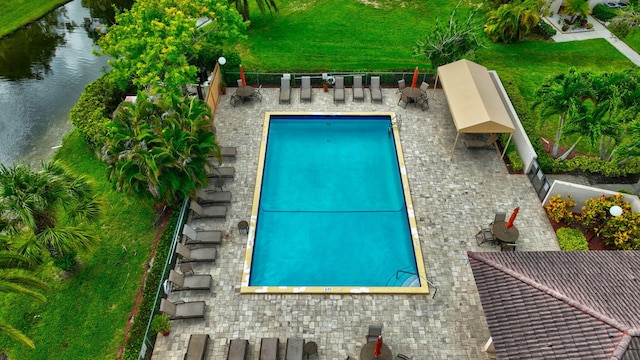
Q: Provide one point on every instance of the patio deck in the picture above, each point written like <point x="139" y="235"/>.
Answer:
<point x="451" y="200"/>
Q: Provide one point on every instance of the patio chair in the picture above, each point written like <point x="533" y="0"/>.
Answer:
<point x="305" y="88"/>
<point x="403" y="101"/>
<point x="214" y="212"/>
<point x="424" y="87"/>
<point x="235" y="99"/>
<point x="193" y="282"/>
<point x="227" y="172"/>
<point x="197" y="347"/>
<point x="401" y="85"/>
<point x="228" y="152"/>
<point x="182" y="310"/>
<point x="196" y="255"/>
<point x="358" y="89"/>
<point x="295" y="349"/>
<point x="403" y="357"/>
<point x="423" y="101"/>
<point x="374" y="89"/>
<point x="374" y="332"/>
<point x="238" y="349"/>
<point x="485" y="236"/>
<point x="338" y="90"/>
<point x="505" y="246"/>
<point x="213" y="197"/>
<point x="257" y="94"/>
<point x="285" y="91"/>
<point x="499" y="217"/>
<point x="205" y="237"/>
<point x="239" y="82"/>
<point x="269" y="349"/>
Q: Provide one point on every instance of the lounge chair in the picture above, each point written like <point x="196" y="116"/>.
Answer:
<point x="228" y="152"/>
<point x="213" y="197"/>
<point x="238" y="349"/>
<point x="269" y="349"/>
<point x="374" y="89"/>
<point x="197" y="348"/>
<point x="222" y="171"/>
<point x="338" y="90"/>
<point x="358" y="89"/>
<point x="285" y="91"/>
<point x="196" y="255"/>
<point x="194" y="282"/>
<point x="215" y="211"/>
<point x="295" y="349"/>
<point x="192" y="236"/>
<point x="374" y="332"/>
<point x="182" y="310"/>
<point x="305" y="88"/>
<point x="489" y="143"/>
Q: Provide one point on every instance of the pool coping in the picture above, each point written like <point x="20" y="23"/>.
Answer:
<point x="245" y="288"/>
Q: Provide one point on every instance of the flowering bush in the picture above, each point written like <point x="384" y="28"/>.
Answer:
<point x="622" y="232"/>
<point x="571" y="239"/>
<point x="559" y="209"/>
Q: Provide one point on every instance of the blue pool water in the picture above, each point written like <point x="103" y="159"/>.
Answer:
<point x="332" y="210"/>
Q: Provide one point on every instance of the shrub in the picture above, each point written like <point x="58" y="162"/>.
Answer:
<point x="559" y="209"/>
<point x="94" y="108"/>
<point x="516" y="163"/>
<point x="66" y="261"/>
<point x="545" y="30"/>
<point x="621" y="232"/>
<point x="597" y="166"/>
<point x="571" y="240"/>
<point x="603" y="12"/>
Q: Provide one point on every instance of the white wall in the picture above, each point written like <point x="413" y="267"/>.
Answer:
<point x="581" y="194"/>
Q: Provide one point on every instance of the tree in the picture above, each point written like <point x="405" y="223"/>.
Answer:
<point x="44" y="211"/>
<point x="511" y="22"/>
<point x="160" y="147"/>
<point x="152" y="43"/>
<point x="626" y="20"/>
<point x="451" y="41"/>
<point x="243" y="7"/>
<point x="592" y="120"/>
<point x="577" y="9"/>
<point x="16" y="278"/>
<point x="558" y="95"/>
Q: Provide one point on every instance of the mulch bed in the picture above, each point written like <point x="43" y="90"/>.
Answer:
<point x="594" y="242"/>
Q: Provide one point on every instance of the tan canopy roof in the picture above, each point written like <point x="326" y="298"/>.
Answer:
<point x="476" y="106"/>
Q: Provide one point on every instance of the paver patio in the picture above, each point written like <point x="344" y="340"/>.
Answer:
<point x="451" y="200"/>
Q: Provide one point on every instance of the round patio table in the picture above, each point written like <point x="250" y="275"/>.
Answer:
<point x="245" y="92"/>
<point x="412" y="92"/>
<point x="500" y="231"/>
<point x="366" y="353"/>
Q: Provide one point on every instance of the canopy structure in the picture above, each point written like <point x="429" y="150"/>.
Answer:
<point x="474" y="101"/>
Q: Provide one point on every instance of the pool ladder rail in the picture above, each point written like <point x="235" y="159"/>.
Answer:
<point x="412" y="280"/>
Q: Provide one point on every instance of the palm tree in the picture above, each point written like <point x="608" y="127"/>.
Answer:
<point x="511" y="22"/>
<point x="243" y="7"/>
<point x="591" y="120"/>
<point x="577" y="9"/>
<point x="558" y="95"/>
<point x="15" y="278"/>
<point x="161" y="147"/>
<point x="44" y="211"/>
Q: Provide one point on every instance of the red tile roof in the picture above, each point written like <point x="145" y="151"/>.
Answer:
<point x="561" y="305"/>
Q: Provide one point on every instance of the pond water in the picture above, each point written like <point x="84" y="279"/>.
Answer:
<point x="43" y="70"/>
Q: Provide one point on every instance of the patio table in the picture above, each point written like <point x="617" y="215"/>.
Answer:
<point x="366" y="353"/>
<point x="245" y="92"/>
<point x="412" y="93"/>
<point x="504" y="234"/>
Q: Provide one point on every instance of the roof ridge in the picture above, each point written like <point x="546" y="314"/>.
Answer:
<point x="621" y="348"/>
<point x="551" y="292"/>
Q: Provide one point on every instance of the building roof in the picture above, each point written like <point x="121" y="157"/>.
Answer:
<point x="561" y="305"/>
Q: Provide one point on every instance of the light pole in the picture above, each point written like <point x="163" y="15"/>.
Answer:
<point x="615" y="211"/>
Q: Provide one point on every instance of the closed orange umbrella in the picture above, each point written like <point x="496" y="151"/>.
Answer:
<point x="244" y="82"/>
<point x="377" y="350"/>
<point x="512" y="218"/>
<point x="414" y="82"/>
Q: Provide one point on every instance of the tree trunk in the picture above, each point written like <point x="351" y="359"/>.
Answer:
<point x="556" y="140"/>
<point x="568" y="152"/>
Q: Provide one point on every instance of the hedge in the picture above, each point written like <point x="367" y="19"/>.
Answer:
<point x="571" y="240"/>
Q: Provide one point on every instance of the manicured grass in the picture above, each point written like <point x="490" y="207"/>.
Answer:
<point x="85" y="315"/>
<point x="16" y="13"/>
<point x="633" y="40"/>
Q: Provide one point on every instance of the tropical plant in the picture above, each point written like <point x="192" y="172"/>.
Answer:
<point x="591" y="120"/>
<point x="571" y="239"/>
<point x="559" y="209"/>
<point x="161" y="323"/>
<point x="46" y="211"/>
<point x="577" y="9"/>
<point x="152" y="43"/>
<point x="16" y="278"/>
<point x="622" y="232"/>
<point x="243" y="7"/>
<point x="160" y="147"/>
<point x="511" y="22"/>
<point x="558" y="95"/>
<point x="451" y="41"/>
<point x="622" y="24"/>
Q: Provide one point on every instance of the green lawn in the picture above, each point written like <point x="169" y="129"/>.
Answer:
<point x="16" y="13"/>
<point x="633" y="40"/>
<point x="85" y="315"/>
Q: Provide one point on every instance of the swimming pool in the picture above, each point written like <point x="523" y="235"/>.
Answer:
<point x="332" y="211"/>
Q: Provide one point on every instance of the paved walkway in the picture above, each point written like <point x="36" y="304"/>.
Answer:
<point x="451" y="200"/>
<point x="598" y="31"/>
